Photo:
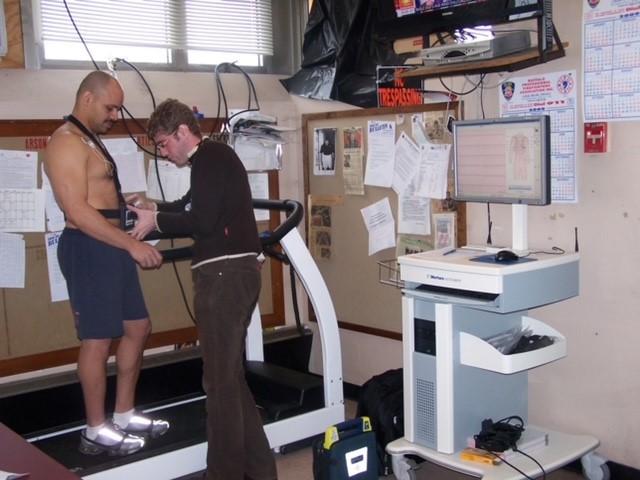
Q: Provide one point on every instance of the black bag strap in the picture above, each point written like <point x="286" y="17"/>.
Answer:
<point x="102" y="148"/>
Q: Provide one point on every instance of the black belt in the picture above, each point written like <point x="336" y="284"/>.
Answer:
<point x="110" y="213"/>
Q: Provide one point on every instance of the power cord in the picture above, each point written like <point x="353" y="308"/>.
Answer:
<point x="524" y="475"/>
<point x="503" y="435"/>
<point x="222" y="97"/>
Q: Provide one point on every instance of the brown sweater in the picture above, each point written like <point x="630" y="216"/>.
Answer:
<point x="217" y="211"/>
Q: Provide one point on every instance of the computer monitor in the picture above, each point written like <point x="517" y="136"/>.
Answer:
<point x="503" y="160"/>
<point x="406" y="18"/>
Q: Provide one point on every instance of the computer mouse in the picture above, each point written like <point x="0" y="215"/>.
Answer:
<point x="506" y="256"/>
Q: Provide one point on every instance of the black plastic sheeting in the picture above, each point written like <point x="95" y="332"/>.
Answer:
<point x="340" y="53"/>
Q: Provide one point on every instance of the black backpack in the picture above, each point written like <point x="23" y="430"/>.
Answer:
<point x="381" y="399"/>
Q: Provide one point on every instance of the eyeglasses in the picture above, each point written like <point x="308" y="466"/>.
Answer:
<point x="163" y="144"/>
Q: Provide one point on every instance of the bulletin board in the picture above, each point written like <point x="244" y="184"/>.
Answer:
<point x="366" y="289"/>
<point x="36" y="333"/>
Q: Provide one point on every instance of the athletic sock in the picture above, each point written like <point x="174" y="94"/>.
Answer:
<point x="92" y="432"/>
<point x="123" y="419"/>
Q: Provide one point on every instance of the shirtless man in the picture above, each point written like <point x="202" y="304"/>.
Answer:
<point x="98" y="260"/>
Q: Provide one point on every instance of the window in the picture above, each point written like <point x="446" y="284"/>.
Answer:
<point x="161" y="34"/>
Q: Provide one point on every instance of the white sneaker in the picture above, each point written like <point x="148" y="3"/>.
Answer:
<point x="112" y="440"/>
<point x="143" y="426"/>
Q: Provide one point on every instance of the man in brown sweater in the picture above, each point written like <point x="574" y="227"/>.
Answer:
<point x="217" y="212"/>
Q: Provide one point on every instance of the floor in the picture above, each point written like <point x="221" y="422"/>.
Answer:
<point x="294" y="465"/>
<point x="298" y="465"/>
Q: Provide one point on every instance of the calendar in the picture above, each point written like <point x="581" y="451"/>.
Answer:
<point x="611" y="60"/>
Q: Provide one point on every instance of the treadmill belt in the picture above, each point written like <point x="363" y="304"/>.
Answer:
<point x="170" y="389"/>
<point x="188" y="427"/>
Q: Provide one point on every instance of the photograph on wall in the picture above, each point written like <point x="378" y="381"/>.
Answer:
<point x="352" y="160"/>
<point x="445" y="230"/>
<point x="320" y="224"/>
<point x="435" y="125"/>
<point x="325" y="151"/>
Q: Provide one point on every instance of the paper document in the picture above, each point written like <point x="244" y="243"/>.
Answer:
<point x="12" y="260"/>
<point x="18" y="169"/>
<point x="166" y="181"/>
<point x="259" y="184"/>
<point x="381" y="152"/>
<point x="57" y="283"/>
<point x="432" y="175"/>
<point x="21" y="210"/>
<point x="414" y="215"/>
<point x="407" y="158"/>
<point x="380" y="224"/>
<point x="130" y="163"/>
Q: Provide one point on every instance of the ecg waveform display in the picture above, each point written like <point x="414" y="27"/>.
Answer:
<point x="502" y="162"/>
<point x="497" y="161"/>
<point x="483" y="171"/>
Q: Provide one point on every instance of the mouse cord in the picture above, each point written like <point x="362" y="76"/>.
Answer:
<point x="489" y="223"/>
<point x="554" y="251"/>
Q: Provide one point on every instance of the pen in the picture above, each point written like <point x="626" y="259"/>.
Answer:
<point x="449" y="252"/>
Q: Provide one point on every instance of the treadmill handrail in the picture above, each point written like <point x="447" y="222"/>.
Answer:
<point x="294" y="210"/>
<point x="295" y="213"/>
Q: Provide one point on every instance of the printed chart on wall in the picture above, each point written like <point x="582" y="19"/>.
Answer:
<point x="552" y="94"/>
<point x="21" y="210"/>
<point x="611" y="40"/>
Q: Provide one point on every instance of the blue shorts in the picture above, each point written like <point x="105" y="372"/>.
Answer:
<point x="103" y="285"/>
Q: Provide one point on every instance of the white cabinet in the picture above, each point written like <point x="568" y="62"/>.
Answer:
<point x="454" y="378"/>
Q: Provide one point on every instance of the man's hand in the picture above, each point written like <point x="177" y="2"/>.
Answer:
<point x="145" y="255"/>
<point x="146" y="222"/>
<point x="141" y="202"/>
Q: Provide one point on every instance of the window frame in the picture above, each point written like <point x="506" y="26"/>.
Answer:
<point x="289" y="22"/>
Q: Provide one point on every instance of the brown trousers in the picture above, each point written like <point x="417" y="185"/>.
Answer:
<point x="226" y="293"/>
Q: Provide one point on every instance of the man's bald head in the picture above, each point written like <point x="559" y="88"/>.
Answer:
<point x="96" y="82"/>
<point x="98" y="101"/>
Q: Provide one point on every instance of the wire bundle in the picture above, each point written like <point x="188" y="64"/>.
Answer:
<point x="501" y="435"/>
<point x="504" y="435"/>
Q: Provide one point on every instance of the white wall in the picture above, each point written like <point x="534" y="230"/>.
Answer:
<point x="596" y="389"/>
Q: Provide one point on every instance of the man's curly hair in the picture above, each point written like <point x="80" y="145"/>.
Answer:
<point x="168" y="116"/>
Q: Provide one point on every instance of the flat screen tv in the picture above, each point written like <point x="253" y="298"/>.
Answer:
<point x="407" y="18"/>
<point x="503" y="160"/>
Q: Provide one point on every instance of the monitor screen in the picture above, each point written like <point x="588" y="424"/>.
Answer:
<point x="406" y="18"/>
<point x="503" y="160"/>
<point x="409" y="7"/>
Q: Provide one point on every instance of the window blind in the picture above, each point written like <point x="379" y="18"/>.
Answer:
<point x="240" y="26"/>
